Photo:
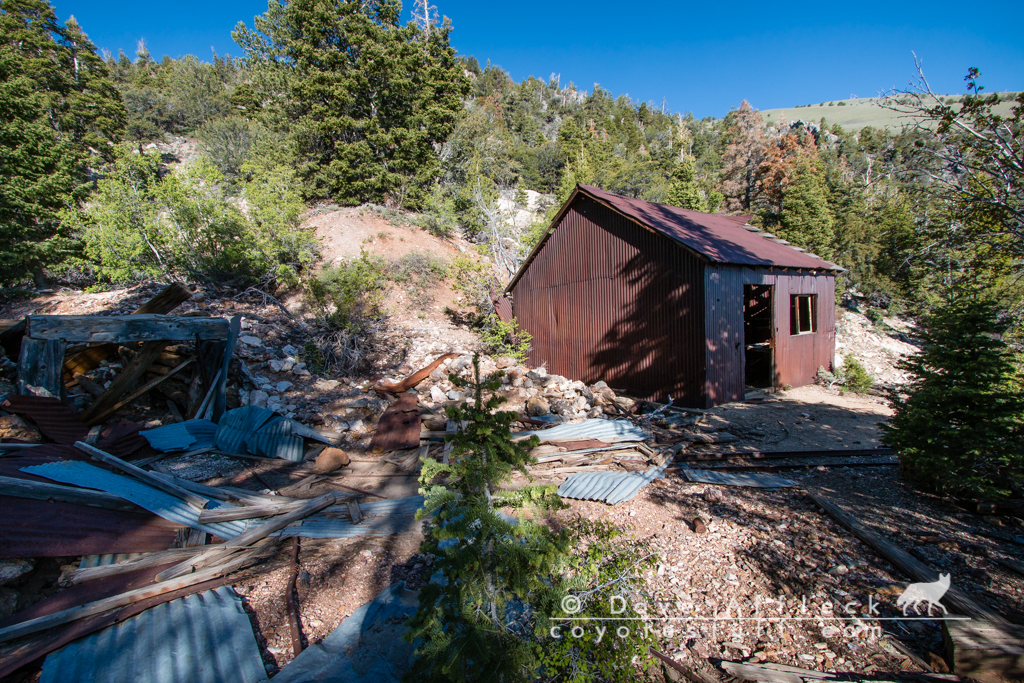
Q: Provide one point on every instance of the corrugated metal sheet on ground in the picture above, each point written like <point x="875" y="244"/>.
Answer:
<point x="382" y="518"/>
<point x="399" y="426"/>
<point x="237" y="425"/>
<point x="609" y="431"/>
<point x="367" y="647"/>
<point x="182" y="436"/>
<point x="764" y="481"/>
<point x="611" y="487"/>
<point x="276" y="440"/>
<point x="54" y="419"/>
<point x="201" y="638"/>
<point x="156" y="501"/>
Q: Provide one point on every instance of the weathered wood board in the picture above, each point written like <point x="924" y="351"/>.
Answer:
<point x="127" y="328"/>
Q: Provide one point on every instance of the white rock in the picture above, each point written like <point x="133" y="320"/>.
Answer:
<point x="12" y="569"/>
<point x="454" y="395"/>
<point x="290" y="350"/>
<point x="287" y="364"/>
<point x="326" y="384"/>
<point x="275" y="364"/>
<point x="300" y="370"/>
<point x="283" y="386"/>
<point x="436" y="395"/>
<point x="250" y="340"/>
<point x="258" y="398"/>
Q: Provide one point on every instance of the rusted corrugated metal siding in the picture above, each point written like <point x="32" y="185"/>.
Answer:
<point x="796" y="357"/>
<point x="608" y="299"/>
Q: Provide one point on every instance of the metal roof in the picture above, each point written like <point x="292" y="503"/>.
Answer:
<point x="205" y="637"/>
<point x="382" y="518"/>
<point x="156" y="501"/>
<point x="54" y="419"/>
<point x="237" y="425"/>
<point x="717" y="237"/>
<point x="610" y="487"/>
<point x="609" y="431"/>
<point x="276" y="440"/>
<point x="181" y="436"/>
<point x="366" y="647"/>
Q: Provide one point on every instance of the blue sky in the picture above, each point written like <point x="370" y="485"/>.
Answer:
<point x="703" y="58"/>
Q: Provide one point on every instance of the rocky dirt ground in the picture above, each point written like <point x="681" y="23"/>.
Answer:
<point x="725" y="551"/>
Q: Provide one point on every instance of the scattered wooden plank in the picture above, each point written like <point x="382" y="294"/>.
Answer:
<point x="136" y="394"/>
<point x="221" y="493"/>
<point x="205" y="409"/>
<point x="984" y="651"/>
<point x="142" y="475"/>
<point x="24" y="488"/>
<point x="99" y="606"/>
<point x="17" y="446"/>
<point x="905" y="562"/>
<point x="220" y="397"/>
<point x="292" y="600"/>
<point x="125" y="380"/>
<point x="132" y="564"/>
<point x="39" y="367"/>
<point x="92" y="387"/>
<point x="773" y="673"/>
<point x="212" y="516"/>
<point x="220" y="552"/>
<point x="122" y="329"/>
<point x="354" y="512"/>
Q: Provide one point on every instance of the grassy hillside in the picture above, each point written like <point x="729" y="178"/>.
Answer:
<point x="855" y="114"/>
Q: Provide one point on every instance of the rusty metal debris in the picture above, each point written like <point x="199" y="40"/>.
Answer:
<point x="414" y="379"/>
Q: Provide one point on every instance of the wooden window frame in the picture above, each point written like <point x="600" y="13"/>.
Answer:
<point x="803" y="314"/>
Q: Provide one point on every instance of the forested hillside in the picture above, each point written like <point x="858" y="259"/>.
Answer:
<point x="350" y="107"/>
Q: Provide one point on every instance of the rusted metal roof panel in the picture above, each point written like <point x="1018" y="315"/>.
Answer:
<point x="205" y="637"/>
<point x="54" y="419"/>
<point x="610" y="487"/>
<point x="399" y="426"/>
<point x="720" y="238"/>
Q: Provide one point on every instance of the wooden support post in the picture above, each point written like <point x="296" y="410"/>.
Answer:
<point x="220" y="396"/>
<point x="39" y="367"/>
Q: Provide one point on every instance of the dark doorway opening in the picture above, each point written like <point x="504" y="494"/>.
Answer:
<point x="759" y="366"/>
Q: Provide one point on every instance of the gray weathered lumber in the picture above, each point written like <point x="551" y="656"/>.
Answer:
<point x="691" y="674"/>
<point x="125" y="328"/>
<point x="773" y="673"/>
<point x="24" y="628"/>
<point x="983" y="651"/>
<point x="220" y="397"/>
<point x="354" y="512"/>
<point x="141" y="474"/>
<point x="17" y="446"/>
<point x="96" y="419"/>
<point x="39" y="367"/>
<point x="222" y="493"/>
<point x="125" y="380"/>
<point x="219" y="552"/>
<point x="130" y="565"/>
<point x="905" y="562"/>
<point x="212" y="516"/>
<point x="24" y="488"/>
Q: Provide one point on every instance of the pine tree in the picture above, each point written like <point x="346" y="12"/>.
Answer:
<point x="959" y="424"/>
<point x="500" y="575"/>
<point x="806" y="218"/>
<point x="56" y="103"/>
<point x="684" y="191"/>
<point x="364" y="99"/>
<point x="742" y="158"/>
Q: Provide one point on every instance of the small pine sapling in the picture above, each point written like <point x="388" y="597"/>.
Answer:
<point x="479" y="618"/>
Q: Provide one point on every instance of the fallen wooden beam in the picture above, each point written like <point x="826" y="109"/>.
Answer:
<point x="984" y="651"/>
<point x="137" y="393"/>
<point x="215" y="515"/>
<point x="125" y="380"/>
<point x="292" y="600"/>
<point x="219" y="552"/>
<point x="130" y="565"/>
<point x="25" y="488"/>
<point x="99" y="606"/>
<point x="122" y="329"/>
<point x="142" y="475"/>
<point x="781" y="455"/>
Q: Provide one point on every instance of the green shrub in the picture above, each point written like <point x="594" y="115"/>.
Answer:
<point x="474" y="280"/>
<point x="419" y="274"/>
<point x="505" y="339"/>
<point x="143" y="222"/>
<point x="959" y="423"/>
<point x="854" y="376"/>
<point x="351" y="294"/>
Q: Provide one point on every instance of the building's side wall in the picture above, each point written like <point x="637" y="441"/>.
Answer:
<point x="606" y="299"/>
<point x="797" y="357"/>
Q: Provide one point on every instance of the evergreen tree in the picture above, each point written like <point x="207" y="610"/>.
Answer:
<point x="959" y="424"/>
<point x="56" y="103"/>
<point x="806" y="219"/>
<point x="500" y="575"/>
<point x="365" y="99"/>
<point x="684" y="191"/>
<point x="742" y="159"/>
